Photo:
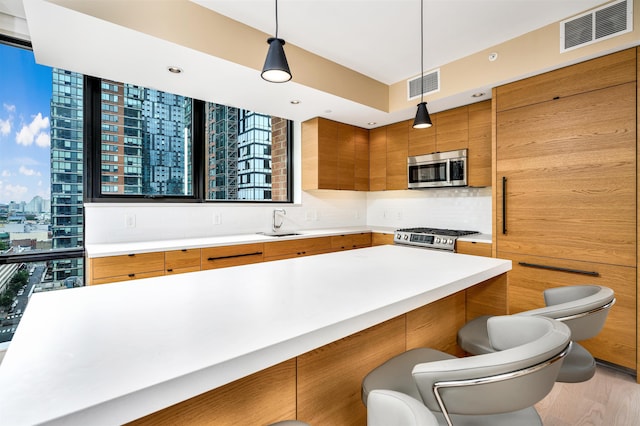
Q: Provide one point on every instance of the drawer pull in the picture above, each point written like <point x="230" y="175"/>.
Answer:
<point x="559" y="269"/>
<point x="234" y="255"/>
<point x="131" y="255"/>
<point x="131" y="275"/>
<point x="169" y="270"/>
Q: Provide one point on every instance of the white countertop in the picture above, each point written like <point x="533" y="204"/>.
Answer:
<point x="112" y="353"/>
<point x="114" y="249"/>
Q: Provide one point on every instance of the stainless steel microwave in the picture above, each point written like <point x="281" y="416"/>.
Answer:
<point x="438" y="170"/>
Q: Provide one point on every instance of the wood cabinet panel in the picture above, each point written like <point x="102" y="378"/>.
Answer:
<point x="436" y="325"/>
<point x="616" y="343"/>
<point x="488" y="298"/>
<point x="330" y="378"/>
<point x="310" y="159"/>
<point x="296" y="248"/>
<point x="423" y="141"/>
<point x="262" y="398"/>
<point x="380" y="239"/>
<point x="378" y="159"/>
<point x="570" y="166"/>
<point x="479" y="154"/>
<point x="606" y="71"/>
<point x="235" y="255"/>
<point x="127" y="277"/>
<point x="179" y="261"/>
<point x="397" y="152"/>
<point x="319" y="154"/>
<point x="131" y="266"/>
<point x="346" y="151"/>
<point x="452" y="132"/>
<point x="361" y="140"/>
<point x="351" y="241"/>
<point x="473" y="248"/>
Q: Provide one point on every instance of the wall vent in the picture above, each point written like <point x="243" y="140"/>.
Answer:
<point x="431" y="84"/>
<point x="599" y="24"/>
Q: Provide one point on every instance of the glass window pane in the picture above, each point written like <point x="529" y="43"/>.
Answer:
<point x="146" y="141"/>
<point x="41" y="154"/>
<point x="246" y="155"/>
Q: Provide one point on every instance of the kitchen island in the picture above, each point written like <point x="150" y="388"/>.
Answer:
<point x="115" y="353"/>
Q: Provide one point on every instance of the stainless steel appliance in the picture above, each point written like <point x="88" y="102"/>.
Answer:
<point x="432" y="238"/>
<point x="437" y="170"/>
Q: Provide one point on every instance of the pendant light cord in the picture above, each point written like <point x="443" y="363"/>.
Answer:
<point x="421" y="49"/>
<point x="277" y="18"/>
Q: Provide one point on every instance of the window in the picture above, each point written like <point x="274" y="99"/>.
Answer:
<point x="41" y="178"/>
<point x="175" y="148"/>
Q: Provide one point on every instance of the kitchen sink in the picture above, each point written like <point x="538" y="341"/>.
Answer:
<point x="278" y="234"/>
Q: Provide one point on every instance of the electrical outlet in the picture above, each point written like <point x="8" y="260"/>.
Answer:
<point x="217" y="218"/>
<point x="130" y="220"/>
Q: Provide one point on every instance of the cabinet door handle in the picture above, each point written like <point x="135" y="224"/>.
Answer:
<point x="131" y="275"/>
<point x="504" y="205"/>
<point x="234" y="255"/>
<point x="559" y="269"/>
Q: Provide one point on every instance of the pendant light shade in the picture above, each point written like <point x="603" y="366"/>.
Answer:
<point x="276" y="67"/>
<point x="422" y="120"/>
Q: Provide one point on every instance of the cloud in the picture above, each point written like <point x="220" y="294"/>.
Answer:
<point x="12" y="192"/>
<point x="43" y="140"/>
<point x="10" y="108"/>
<point x="29" y="172"/>
<point x="5" y="126"/>
<point x="34" y="131"/>
<point x="5" y="173"/>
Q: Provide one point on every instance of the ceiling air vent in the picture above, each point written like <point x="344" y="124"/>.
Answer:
<point x="599" y="24"/>
<point x="431" y="85"/>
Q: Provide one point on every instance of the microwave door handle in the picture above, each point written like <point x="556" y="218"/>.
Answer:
<point x="448" y="171"/>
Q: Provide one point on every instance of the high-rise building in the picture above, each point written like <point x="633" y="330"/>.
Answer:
<point x="66" y="170"/>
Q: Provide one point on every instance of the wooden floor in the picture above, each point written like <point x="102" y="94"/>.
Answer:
<point x="610" y="398"/>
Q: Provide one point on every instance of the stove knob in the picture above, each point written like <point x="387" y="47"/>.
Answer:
<point x="437" y="240"/>
<point x="398" y="237"/>
<point x="406" y="237"/>
<point x="450" y="241"/>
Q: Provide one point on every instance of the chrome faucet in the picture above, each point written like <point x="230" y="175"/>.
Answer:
<point x="273" y="224"/>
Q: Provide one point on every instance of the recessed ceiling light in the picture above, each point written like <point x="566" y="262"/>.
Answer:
<point x="174" y="70"/>
<point x="327" y="111"/>
<point x="295" y="102"/>
<point x="478" y="95"/>
<point x="493" y="56"/>
<point x="371" y="123"/>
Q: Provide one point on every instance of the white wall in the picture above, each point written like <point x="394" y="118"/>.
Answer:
<point x="459" y="208"/>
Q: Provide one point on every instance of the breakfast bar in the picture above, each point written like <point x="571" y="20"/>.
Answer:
<point x="111" y="354"/>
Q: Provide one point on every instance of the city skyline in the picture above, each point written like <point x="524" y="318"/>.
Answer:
<point x="25" y="96"/>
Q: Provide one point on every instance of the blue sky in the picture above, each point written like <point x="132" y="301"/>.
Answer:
<point x="25" y="95"/>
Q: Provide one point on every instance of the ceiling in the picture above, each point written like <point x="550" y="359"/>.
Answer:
<point x="377" y="38"/>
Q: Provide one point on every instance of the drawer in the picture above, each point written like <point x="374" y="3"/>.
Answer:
<point x="351" y="241"/>
<point x="126" y="265"/>
<point x="185" y="260"/>
<point x="379" y="239"/>
<point x="235" y="255"/>
<point x="473" y="248"/>
<point x="294" y="248"/>
<point x="129" y="277"/>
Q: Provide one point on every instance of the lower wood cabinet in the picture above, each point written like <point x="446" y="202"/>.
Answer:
<point x="235" y="255"/>
<point x="616" y="343"/>
<point x="126" y="267"/>
<point x="180" y="261"/>
<point x="277" y="250"/>
<point x="379" y="239"/>
<point x="351" y="241"/>
<point x="473" y="248"/>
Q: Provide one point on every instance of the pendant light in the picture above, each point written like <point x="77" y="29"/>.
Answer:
<point x="276" y="67"/>
<point x="422" y="120"/>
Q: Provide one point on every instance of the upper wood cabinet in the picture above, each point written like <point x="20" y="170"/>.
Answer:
<point x="397" y="153"/>
<point x="452" y="132"/>
<point x="378" y="159"/>
<point x="479" y="154"/>
<point x="423" y="141"/>
<point x="606" y="71"/>
<point x="332" y="155"/>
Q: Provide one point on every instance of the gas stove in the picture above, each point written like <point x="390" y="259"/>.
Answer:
<point x="433" y="238"/>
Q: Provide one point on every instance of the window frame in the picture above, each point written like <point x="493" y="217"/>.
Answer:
<point x="93" y="164"/>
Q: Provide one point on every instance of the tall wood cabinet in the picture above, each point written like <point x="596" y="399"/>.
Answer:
<point x="566" y="189"/>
